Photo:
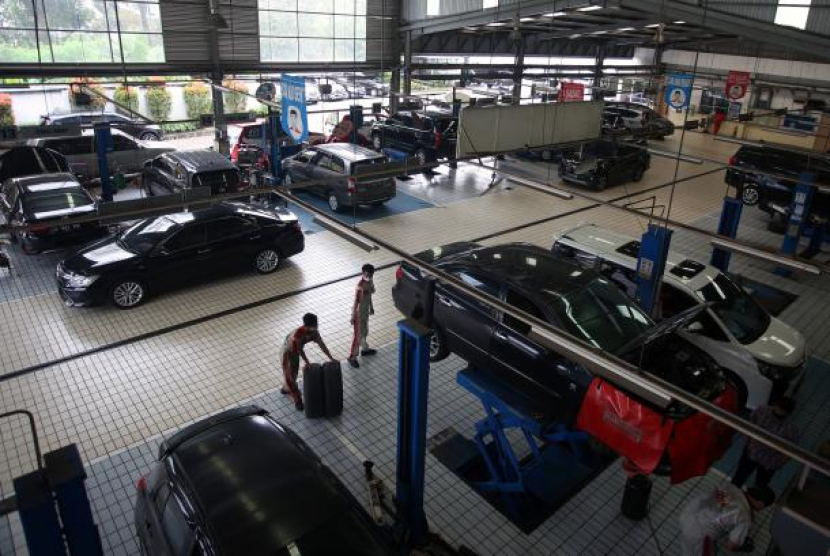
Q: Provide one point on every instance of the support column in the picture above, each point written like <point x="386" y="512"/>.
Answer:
<point x="598" y="62"/>
<point x="518" y="68"/>
<point x="407" y="64"/>
<point x="395" y="88"/>
<point x="220" y="139"/>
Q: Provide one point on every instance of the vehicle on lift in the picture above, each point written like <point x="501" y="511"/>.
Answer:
<point x="774" y="194"/>
<point x="601" y="163"/>
<point x="135" y="127"/>
<point x="28" y="161"/>
<point x="239" y="482"/>
<point x="162" y="253"/>
<point x="329" y="172"/>
<point x="251" y="135"/>
<point x="763" y="356"/>
<point x="428" y="135"/>
<point x="181" y="171"/>
<point x="128" y="154"/>
<point x="641" y="121"/>
<point x="560" y="292"/>
<point x="40" y="202"/>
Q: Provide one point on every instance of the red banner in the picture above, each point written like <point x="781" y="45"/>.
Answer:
<point x="736" y="84"/>
<point x="569" y="92"/>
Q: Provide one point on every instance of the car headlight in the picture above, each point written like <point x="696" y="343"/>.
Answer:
<point x="79" y="281"/>
<point x="771" y="371"/>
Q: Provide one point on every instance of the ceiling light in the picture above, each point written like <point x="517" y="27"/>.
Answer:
<point x="575" y="36"/>
<point x="679" y="22"/>
<point x="496" y="24"/>
<point x="653" y="25"/>
<point x="599" y="32"/>
<point x="554" y="14"/>
<point x="588" y="8"/>
<point x="621" y="29"/>
<point x="527" y="19"/>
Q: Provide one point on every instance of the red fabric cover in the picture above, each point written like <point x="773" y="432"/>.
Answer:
<point x="699" y="441"/>
<point x="624" y="425"/>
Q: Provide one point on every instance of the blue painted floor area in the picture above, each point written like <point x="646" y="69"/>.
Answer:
<point x="810" y="415"/>
<point x="399" y="204"/>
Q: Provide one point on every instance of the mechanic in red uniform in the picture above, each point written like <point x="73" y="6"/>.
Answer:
<point x="292" y="351"/>
<point x="361" y="309"/>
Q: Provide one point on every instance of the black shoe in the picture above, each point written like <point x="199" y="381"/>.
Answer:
<point x="369" y="351"/>
<point x="299" y="405"/>
<point x="354" y="364"/>
<point x="284" y="392"/>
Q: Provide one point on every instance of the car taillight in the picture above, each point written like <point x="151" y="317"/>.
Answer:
<point x="297" y="226"/>
<point x="733" y="160"/>
<point x="352" y="184"/>
<point x="235" y="153"/>
<point x="141" y="484"/>
<point x="38" y="229"/>
<point x="399" y="274"/>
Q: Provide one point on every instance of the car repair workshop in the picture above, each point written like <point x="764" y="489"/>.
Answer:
<point x="414" y="277"/>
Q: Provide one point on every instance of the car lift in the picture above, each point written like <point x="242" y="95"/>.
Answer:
<point x="799" y="224"/>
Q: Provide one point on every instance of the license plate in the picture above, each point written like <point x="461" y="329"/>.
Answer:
<point x="69" y="227"/>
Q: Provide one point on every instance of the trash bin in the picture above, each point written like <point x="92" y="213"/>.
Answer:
<point x="635" y="498"/>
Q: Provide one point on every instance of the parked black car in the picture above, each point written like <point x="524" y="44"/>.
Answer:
<point x="428" y="135"/>
<point x="136" y="127"/>
<point x="599" y="164"/>
<point x="178" y="249"/>
<point x="41" y="202"/>
<point x="28" y="161"/>
<point x="560" y="292"/>
<point x="328" y="171"/>
<point x="773" y="194"/>
<point x="240" y="483"/>
<point x="179" y="171"/>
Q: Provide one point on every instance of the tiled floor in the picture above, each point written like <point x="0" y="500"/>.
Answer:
<point x="113" y="381"/>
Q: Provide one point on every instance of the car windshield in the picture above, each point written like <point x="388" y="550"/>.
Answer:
<point x="601" y="314"/>
<point x="599" y="149"/>
<point x="143" y="236"/>
<point x="345" y="535"/>
<point x="744" y="318"/>
<point x="43" y="204"/>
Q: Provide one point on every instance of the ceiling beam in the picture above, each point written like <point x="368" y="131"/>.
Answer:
<point x="597" y="31"/>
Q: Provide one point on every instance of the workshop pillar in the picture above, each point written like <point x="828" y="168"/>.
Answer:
<point x="518" y="69"/>
<point x="599" y="60"/>
<point x="395" y="89"/>
<point x="103" y="145"/>
<point x="407" y="64"/>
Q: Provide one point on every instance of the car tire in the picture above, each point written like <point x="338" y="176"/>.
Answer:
<point x="740" y="388"/>
<point x="438" y="350"/>
<point x="377" y="141"/>
<point x="313" y="394"/>
<point x="128" y="293"/>
<point x="266" y="260"/>
<point x="333" y="201"/>
<point x="333" y="388"/>
<point x="149" y="136"/>
<point x="750" y="194"/>
<point x="638" y="173"/>
<point x="600" y="183"/>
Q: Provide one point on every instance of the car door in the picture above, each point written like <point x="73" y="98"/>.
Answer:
<point x="329" y="174"/>
<point x="125" y="155"/>
<point x="180" y="259"/>
<point x="78" y="152"/>
<point x="301" y="165"/>
<point x="231" y="242"/>
<point x="404" y="133"/>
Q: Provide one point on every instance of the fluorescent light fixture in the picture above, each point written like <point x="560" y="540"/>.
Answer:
<point x="679" y="22"/>
<point x="496" y="24"/>
<point x="588" y="8"/>
<point x="653" y="25"/>
<point x="554" y="14"/>
<point x="599" y="32"/>
<point x="527" y="19"/>
<point x="575" y="36"/>
<point x="620" y="30"/>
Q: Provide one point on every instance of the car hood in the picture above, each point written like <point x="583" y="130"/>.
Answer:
<point x="780" y="345"/>
<point x="582" y="165"/>
<point x="98" y="255"/>
<point x="665" y="327"/>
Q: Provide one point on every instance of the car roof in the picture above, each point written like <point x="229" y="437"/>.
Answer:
<point x="86" y="113"/>
<point x="348" y="151"/>
<point x="218" y="210"/>
<point x="85" y="133"/>
<point x="253" y="467"/>
<point x="42" y="182"/>
<point x="200" y="160"/>
<point x="620" y="249"/>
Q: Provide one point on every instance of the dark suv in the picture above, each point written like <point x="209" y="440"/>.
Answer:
<point x="773" y="194"/>
<point x="241" y="483"/>
<point x="178" y="171"/>
<point x="599" y="164"/>
<point x="428" y="135"/>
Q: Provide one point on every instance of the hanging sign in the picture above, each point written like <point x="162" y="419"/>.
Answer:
<point x="294" y="117"/>
<point x="569" y="92"/>
<point x="679" y="90"/>
<point x="736" y="84"/>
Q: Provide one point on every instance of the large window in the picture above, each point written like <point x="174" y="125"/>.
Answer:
<point x="312" y="30"/>
<point x="80" y="31"/>
<point x="792" y="15"/>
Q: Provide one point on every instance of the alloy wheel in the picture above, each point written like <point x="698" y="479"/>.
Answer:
<point x="434" y="345"/>
<point x="267" y="261"/>
<point x="750" y="196"/>
<point x="128" y="294"/>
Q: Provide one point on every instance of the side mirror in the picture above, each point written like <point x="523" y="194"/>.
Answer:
<point x="695" y="328"/>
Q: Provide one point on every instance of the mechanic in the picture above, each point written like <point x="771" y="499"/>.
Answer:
<point x="342" y="131"/>
<point x="292" y="351"/>
<point x="723" y="511"/>
<point x="717" y="120"/>
<point x="761" y="459"/>
<point x="361" y="309"/>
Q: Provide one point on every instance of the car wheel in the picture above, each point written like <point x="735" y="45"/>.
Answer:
<point x="601" y="182"/>
<point x="334" y="202"/>
<point x="313" y="393"/>
<point x="750" y="194"/>
<point x="438" y="346"/>
<point x="333" y="388"/>
<point x="149" y="136"/>
<point x="266" y="261"/>
<point x="128" y="293"/>
<point x="638" y="173"/>
<point x="377" y="141"/>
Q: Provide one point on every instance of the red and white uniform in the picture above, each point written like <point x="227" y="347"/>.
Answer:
<point x="360" y="318"/>
<point x="291" y="348"/>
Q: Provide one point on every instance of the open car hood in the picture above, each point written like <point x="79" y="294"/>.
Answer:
<point x="663" y="328"/>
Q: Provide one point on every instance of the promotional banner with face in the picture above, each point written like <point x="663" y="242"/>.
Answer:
<point x="294" y="117"/>
<point x="569" y="92"/>
<point x="679" y="90"/>
<point x="736" y="84"/>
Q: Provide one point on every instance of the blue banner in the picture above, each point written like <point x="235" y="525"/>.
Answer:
<point x="294" y="116"/>
<point x="679" y="90"/>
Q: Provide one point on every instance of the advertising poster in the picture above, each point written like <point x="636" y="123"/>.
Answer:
<point x="294" y="117"/>
<point x="736" y="84"/>
<point x="679" y="90"/>
<point x="569" y="92"/>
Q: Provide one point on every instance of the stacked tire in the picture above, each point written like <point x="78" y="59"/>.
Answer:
<point x="323" y="390"/>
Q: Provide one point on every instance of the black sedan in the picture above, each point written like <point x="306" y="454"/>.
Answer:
<point x="602" y="163"/>
<point x="41" y="203"/>
<point x="178" y="249"/>
<point x="241" y="483"/>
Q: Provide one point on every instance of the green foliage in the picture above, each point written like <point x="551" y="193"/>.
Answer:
<point x="158" y="102"/>
<point x="79" y="85"/>
<point x="6" y="114"/>
<point x="127" y="96"/>
<point x="179" y="127"/>
<point x="234" y="102"/>
<point x="197" y="100"/>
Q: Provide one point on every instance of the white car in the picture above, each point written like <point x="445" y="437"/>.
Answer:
<point x="128" y="154"/>
<point x="762" y="355"/>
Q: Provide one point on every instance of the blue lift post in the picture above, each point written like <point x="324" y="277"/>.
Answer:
<point x="38" y="515"/>
<point x="103" y="145"/>
<point x="799" y="212"/>
<point x="654" y="249"/>
<point x="730" y="217"/>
